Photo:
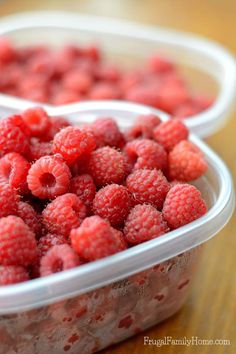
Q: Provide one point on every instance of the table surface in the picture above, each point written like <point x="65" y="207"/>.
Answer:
<point x="210" y="312"/>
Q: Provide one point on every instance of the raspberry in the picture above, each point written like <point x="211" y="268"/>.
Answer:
<point x="143" y="127"/>
<point x="63" y="214"/>
<point x="27" y="213"/>
<point x="171" y="96"/>
<point x="143" y="94"/>
<point x="49" y="177"/>
<point x="106" y="132"/>
<point x="84" y="187"/>
<point x="46" y="242"/>
<point x="186" y="162"/>
<point x="94" y="239"/>
<point x="170" y="133"/>
<point x="12" y="136"/>
<point x="107" y="165"/>
<point x="144" y="223"/>
<point x="77" y="80"/>
<point x="113" y="203"/>
<point x="39" y="149"/>
<point x="7" y="51"/>
<point x="104" y="91"/>
<point x="64" y="97"/>
<point x="8" y="200"/>
<point x="57" y="123"/>
<point x="148" y="186"/>
<point x="57" y="259"/>
<point x="13" y="170"/>
<point x="107" y="73"/>
<point x="17" y="242"/>
<point x="80" y="166"/>
<point x="12" y="275"/>
<point x="158" y="64"/>
<point x="183" y="205"/>
<point x="72" y="142"/>
<point x="122" y="244"/>
<point x="37" y="120"/>
<point x="145" y="154"/>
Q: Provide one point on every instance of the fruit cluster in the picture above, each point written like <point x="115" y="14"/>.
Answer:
<point x="74" y="194"/>
<point x="75" y="73"/>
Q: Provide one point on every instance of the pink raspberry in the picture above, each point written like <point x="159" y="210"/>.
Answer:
<point x="72" y="143"/>
<point x="104" y="91"/>
<point x="61" y="97"/>
<point x="171" y="96"/>
<point x="113" y="203"/>
<point x="63" y="214"/>
<point x="144" y="223"/>
<point x="145" y="154"/>
<point x="144" y="94"/>
<point x="46" y="242"/>
<point x="186" y="162"/>
<point x="27" y="213"/>
<point x="57" y="259"/>
<point x="106" y="132"/>
<point x="143" y="127"/>
<point x="148" y="186"/>
<point x="107" y="165"/>
<point x="49" y="177"/>
<point x="84" y="187"/>
<point x="183" y="205"/>
<point x="94" y="239"/>
<point x="7" y="51"/>
<point x="8" y="200"/>
<point x="122" y="244"/>
<point x="13" y="136"/>
<point x="39" y="149"/>
<point x="14" y="170"/>
<point x="12" y="275"/>
<point x="170" y="133"/>
<point x="37" y="120"/>
<point x="160" y="65"/>
<point x="77" y="80"/>
<point x="17" y="242"/>
<point x="107" y="72"/>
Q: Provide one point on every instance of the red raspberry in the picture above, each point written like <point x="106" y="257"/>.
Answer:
<point x="8" y="200"/>
<point x="122" y="244"/>
<point x="113" y="203"/>
<point x="170" y="133"/>
<point x="37" y="120"/>
<point x="57" y="124"/>
<point x="148" y="186"/>
<point x="104" y="91"/>
<point x="7" y="51"/>
<point x="107" y="165"/>
<point x="14" y="170"/>
<point x="18" y="121"/>
<point x="144" y="94"/>
<point x="107" y="72"/>
<point x="12" y="136"/>
<point x="94" y="239"/>
<point x="186" y="162"/>
<point x="77" y="80"/>
<point x="17" y="242"/>
<point x="143" y="127"/>
<point x="57" y="259"/>
<point x="49" y="177"/>
<point x="159" y="64"/>
<point x="84" y="187"/>
<point x="64" y="97"/>
<point x="144" y="223"/>
<point x="39" y="149"/>
<point x="80" y="166"/>
<point x="63" y="214"/>
<point x="106" y="132"/>
<point x="46" y="242"/>
<point x="183" y="205"/>
<point x="72" y="143"/>
<point x="145" y="154"/>
<point x="12" y="275"/>
<point x="27" y="213"/>
<point x="186" y="110"/>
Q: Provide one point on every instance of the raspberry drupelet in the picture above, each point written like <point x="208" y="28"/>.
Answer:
<point x="148" y="186"/>
<point x="183" y="205"/>
<point x="49" y="177"/>
<point x="63" y="214"/>
<point x="113" y="203"/>
<point x="72" y="143"/>
<point x="144" y="223"/>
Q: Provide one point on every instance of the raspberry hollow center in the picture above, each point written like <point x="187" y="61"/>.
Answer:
<point x="48" y="180"/>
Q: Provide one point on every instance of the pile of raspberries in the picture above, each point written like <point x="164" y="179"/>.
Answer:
<point x="70" y="195"/>
<point x="75" y="73"/>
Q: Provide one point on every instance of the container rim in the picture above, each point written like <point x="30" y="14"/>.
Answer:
<point x="43" y="291"/>
<point x="201" y="124"/>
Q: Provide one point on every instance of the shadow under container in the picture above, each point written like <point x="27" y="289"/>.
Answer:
<point x="101" y="303"/>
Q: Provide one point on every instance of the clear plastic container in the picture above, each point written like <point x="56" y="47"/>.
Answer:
<point x="95" y="305"/>
<point x="208" y="66"/>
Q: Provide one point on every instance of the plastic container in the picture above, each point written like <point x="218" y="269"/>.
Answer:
<point x="209" y="67"/>
<point x="95" y="305"/>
